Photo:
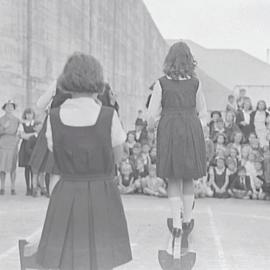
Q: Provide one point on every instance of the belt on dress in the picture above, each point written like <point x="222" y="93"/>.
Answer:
<point x="179" y="111"/>
<point x="86" y="177"/>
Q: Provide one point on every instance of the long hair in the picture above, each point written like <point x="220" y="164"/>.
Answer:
<point x="179" y="61"/>
<point x="82" y="74"/>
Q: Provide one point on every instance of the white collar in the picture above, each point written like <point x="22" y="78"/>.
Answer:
<point x="29" y="123"/>
<point x="179" y="78"/>
<point x="82" y="102"/>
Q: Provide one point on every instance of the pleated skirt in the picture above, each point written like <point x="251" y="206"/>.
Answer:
<point x="85" y="228"/>
<point x="181" y="152"/>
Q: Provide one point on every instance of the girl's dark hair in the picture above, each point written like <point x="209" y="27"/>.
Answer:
<point x="82" y="74"/>
<point x="216" y="112"/>
<point x="28" y="111"/>
<point x="261" y="101"/>
<point x="179" y="61"/>
<point x="247" y="99"/>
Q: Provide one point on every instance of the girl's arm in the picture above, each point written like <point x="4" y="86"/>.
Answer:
<point x="201" y="106"/>
<point x="45" y="100"/>
<point x="155" y="108"/>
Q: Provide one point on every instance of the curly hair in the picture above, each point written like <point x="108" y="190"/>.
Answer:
<point x="179" y="61"/>
<point x="82" y="74"/>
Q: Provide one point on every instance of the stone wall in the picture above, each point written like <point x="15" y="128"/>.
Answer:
<point x="37" y="36"/>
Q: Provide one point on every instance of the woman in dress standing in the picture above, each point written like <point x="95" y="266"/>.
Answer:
<point x="243" y="118"/>
<point x="181" y="156"/>
<point x="28" y="135"/>
<point x="258" y="122"/>
<point x="9" y="125"/>
<point x="85" y="226"/>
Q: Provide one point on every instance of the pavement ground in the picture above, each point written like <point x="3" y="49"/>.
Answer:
<point x="228" y="234"/>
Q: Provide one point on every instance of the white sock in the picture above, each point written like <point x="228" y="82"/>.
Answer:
<point x="188" y="201"/>
<point x="176" y="208"/>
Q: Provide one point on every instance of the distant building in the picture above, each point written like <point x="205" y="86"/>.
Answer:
<point x="38" y="36"/>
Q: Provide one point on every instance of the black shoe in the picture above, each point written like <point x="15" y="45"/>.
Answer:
<point x="43" y="191"/>
<point x="27" y="261"/>
<point x="13" y="192"/>
<point x="2" y="192"/>
<point x="187" y="229"/>
<point x="186" y="262"/>
<point x="188" y="226"/>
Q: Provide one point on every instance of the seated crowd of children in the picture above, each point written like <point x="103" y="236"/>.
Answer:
<point x="137" y="170"/>
<point x="238" y="154"/>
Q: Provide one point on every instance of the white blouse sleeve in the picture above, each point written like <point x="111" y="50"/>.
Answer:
<point x="155" y="108"/>
<point x="49" y="135"/>
<point x="46" y="98"/>
<point x="117" y="133"/>
<point x="201" y="106"/>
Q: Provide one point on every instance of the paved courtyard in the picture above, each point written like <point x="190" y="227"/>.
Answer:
<point x="228" y="234"/>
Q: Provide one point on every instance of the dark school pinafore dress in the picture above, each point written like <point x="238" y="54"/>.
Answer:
<point x="27" y="146"/>
<point x="85" y="226"/>
<point x="181" y="150"/>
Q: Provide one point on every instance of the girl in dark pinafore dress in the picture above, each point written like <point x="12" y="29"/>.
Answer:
<point x="176" y="102"/>
<point x="28" y="135"/>
<point x="85" y="226"/>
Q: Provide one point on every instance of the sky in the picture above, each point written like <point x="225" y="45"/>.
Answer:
<point x="232" y="24"/>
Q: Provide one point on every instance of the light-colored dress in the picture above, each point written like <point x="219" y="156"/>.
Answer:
<point x="9" y="125"/>
<point x="260" y="127"/>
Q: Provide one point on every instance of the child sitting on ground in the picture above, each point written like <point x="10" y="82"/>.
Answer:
<point x="202" y="188"/>
<point x="139" y="174"/>
<point x="219" y="179"/>
<point x="218" y="128"/>
<point x="154" y="185"/>
<point x="126" y="178"/>
<point x="220" y="142"/>
<point x="231" y="170"/>
<point x="258" y="181"/>
<point x="241" y="186"/>
<point x="145" y="154"/>
<point x="137" y="148"/>
<point x="250" y="167"/>
<point x="233" y="154"/>
<point x="244" y="154"/>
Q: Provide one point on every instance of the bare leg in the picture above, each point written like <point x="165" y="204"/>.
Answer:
<point x="188" y="199"/>
<point x="175" y="188"/>
<point x="13" y="179"/>
<point x="3" y="180"/>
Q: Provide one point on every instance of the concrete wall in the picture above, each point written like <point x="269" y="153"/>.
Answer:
<point x="38" y="35"/>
